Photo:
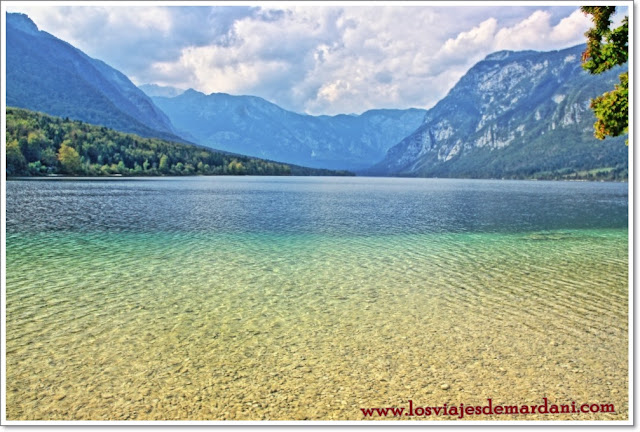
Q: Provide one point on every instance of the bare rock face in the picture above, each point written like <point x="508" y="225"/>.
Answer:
<point x="511" y="115"/>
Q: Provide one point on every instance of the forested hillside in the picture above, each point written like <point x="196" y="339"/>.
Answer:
<point x="39" y="144"/>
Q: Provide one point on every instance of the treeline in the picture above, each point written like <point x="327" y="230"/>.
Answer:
<point x="38" y="144"/>
<point x="618" y="173"/>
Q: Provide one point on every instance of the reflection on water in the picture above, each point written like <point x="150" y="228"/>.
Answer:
<point x="312" y="298"/>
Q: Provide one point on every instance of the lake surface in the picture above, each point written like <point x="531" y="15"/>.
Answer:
<point x="280" y="298"/>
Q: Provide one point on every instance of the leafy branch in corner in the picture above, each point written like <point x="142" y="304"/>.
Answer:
<point x="607" y="48"/>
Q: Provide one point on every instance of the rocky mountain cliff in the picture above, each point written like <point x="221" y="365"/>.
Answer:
<point x="253" y="126"/>
<point x="514" y="114"/>
<point x="49" y="75"/>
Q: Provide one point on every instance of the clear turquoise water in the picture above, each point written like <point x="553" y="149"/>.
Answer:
<point x="294" y="298"/>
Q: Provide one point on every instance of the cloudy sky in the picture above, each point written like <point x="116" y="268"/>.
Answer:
<point x="315" y="59"/>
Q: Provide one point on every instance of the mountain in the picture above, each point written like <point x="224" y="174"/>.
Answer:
<point x="39" y="144"/>
<point x="516" y="115"/>
<point x="253" y="126"/>
<point x="152" y="90"/>
<point x="47" y="74"/>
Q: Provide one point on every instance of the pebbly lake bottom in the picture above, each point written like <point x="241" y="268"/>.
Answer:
<point x="212" y="324"/>
<point x="230" y="327"/>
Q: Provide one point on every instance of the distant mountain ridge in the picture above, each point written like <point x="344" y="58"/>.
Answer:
<point x="514" y="114"/>
<point x="49" y="75"/>
<point x="253" y="126"/>
<point x="152" y="90"/>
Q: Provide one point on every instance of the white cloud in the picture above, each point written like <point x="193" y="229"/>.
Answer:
<point x="466" y="42"/>
<point x="536" y="32"/>
<point x="571" y="28"/>
<point x="467" y="48"/>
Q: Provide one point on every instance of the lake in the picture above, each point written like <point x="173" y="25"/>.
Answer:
<point x="290" y="298"/>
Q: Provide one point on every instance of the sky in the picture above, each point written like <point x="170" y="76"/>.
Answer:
<point x="312" y="59"/>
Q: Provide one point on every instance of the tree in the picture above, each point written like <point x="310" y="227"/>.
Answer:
<point x="69" y="159"/>
<point x="16" y="163"/>
<point x="607" y="48"/>
<point x="164" y="164"/>
<point x="31" y="149"/>
<point x="121" y="168"/>
<point x="236" y="168"/>
<point x="49" y="157"/>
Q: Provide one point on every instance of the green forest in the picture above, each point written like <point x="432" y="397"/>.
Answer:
<point x="39" y="144"/>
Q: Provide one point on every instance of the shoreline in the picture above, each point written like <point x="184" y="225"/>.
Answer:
<point x="123" y="177"/>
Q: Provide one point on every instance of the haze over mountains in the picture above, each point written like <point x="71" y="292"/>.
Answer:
<point x="514" y="114"/>
<point x="253" y="126"/>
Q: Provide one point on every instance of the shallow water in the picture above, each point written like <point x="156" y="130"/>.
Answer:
<point x="310" y="298"/>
